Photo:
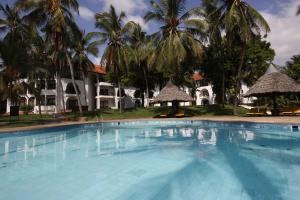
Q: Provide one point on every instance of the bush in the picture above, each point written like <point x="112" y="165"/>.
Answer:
<point x="27" y="108"/>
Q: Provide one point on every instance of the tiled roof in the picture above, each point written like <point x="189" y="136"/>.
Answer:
<point x="99" y="69"/>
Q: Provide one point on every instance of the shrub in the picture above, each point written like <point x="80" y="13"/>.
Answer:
<point x="27" y="108"/>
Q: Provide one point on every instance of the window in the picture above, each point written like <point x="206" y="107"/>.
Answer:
<point x="50" y="100"/>
<point x="205" y="93"/>
<point x="71" y="90"/>
<point x="51" y="84"/>
<point x="104" y="92"/>
<point x="41" y="84"/>
<point x="203" y="83"/>
<point x="104" y="104"/>
<point x="43" y="100"/>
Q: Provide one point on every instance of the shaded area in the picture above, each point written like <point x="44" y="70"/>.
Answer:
<point x="255" y="183"/>
<point x="174" y="185"/>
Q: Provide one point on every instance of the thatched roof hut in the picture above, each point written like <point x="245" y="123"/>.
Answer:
<point x="273" y="82"/>
<point x="172" y="93"/>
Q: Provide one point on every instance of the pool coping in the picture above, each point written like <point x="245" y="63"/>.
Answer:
<point x="267" y="120"/>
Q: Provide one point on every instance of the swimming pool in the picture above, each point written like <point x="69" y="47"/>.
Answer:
<point x="152" y="160"/>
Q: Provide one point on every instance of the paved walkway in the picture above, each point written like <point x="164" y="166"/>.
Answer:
<point x="277" y="120"/>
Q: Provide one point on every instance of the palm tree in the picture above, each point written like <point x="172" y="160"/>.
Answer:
<point x="41" y="64"/>
<point x="212" y="16"/>
<point x="84" y="45"/>
<point x="55" y="17"/>
<point x="241" y="22"/>
<point x="143" y="48"/>
<point x="179" y="36"/>
<point x="15" y="63"/>
<point x="114" y="33"/>
<point x="13" y="24"/>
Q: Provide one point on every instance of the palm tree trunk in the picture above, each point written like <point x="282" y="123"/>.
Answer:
<point x="238" y="80"/>
<point x="147" y="88"/>
<point x="62" y="96"/>
<point x="120" y="94"/>
<point x="58" y="93"/>
<point x="84" y="91"/>
<point x="73" y="82"/>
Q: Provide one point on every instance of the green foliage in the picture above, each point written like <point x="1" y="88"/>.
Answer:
<point x="259" y="55"/>
<point x="218" y="58"/>
<point x="176" y="41"/>
<point x="293" y="67"/>
<point x="27" y="108"/>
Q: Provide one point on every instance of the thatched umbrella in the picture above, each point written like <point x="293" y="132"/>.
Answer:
<point x="171" y="93"/>
<point x="273" y="83"/>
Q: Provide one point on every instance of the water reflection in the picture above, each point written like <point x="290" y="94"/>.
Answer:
<point x="90" y="142"/>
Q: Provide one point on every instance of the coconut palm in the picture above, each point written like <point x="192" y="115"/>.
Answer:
<point x="143" y="48"/>
<point x="114" y="33"/>
<point x="179" y="35"/>
<point x="15" y="63"/>
<point x="12" y="23"/>
<point x="55" y="18"/>
<point x="241" y="22"/>
<point x="85" y="45"/>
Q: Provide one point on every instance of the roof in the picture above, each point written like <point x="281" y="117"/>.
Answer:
<point x="172" y="93"/>
<point x="98" y="69"/>
<point x="273" y="82"/>
<point x="197" y="76"/>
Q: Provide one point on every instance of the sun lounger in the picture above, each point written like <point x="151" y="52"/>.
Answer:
<point x="291" y="111"/>
<point x="163" y="115"/>
<point x="180" y="114"/>
<point x="257" y="112"/>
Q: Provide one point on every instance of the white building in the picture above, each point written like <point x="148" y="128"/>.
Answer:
<point x="96" y="94"/>
<point x="93" y="93"/>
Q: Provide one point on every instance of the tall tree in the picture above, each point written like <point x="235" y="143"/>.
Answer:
<point x="114" y="33"/>
<point x="55" y="17"/>
<point x="12" y="23"/>
<point x="178" y="38"/>
<point x="85" y="45"/>
<point x="13" y="51"/>
<point x="293" y="67"/>
<point x="241" y="22"/>
<point x="142" y="47"/>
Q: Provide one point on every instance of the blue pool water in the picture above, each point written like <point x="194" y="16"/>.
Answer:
<point x="152" y="160"/>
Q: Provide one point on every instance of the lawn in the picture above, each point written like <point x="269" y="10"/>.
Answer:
<point x="107" y="114"/>
<point x="25" y="120"/>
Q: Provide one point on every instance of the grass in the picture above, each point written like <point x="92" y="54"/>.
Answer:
<point x="25" y="120"/>
<point x="107" y="114"/>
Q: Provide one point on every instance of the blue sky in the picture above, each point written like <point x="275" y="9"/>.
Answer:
<point x="280" y="14"/>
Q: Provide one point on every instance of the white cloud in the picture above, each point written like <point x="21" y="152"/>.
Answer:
<point x="128" y="6"/>
<point x="86" y="13"/>
<point x="285" y="31"/>
<point x="139" y="20"/>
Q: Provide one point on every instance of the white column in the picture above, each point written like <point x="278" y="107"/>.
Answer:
<point x="8" y="104"/>
<point x="116" y="98"/>
<point x="98" y="92"/>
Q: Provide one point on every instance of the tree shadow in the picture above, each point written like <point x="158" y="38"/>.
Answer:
<point x="175" y="184"/>
<point x="255" y="183"/>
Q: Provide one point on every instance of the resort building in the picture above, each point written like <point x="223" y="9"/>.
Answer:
<point x="95" y="93"/>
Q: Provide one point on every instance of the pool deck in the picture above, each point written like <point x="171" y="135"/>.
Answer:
<point x="277" y="120"/>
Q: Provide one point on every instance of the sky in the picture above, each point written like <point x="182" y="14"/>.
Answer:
<point x="280" y="14"/>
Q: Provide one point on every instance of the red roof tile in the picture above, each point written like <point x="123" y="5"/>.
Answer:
<point x="99" y="69"/>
